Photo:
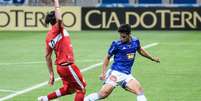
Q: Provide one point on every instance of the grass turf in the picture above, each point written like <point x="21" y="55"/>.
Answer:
<point x="176" y="78"/>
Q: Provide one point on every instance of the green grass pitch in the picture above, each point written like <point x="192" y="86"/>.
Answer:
<point x="176" y="78"/>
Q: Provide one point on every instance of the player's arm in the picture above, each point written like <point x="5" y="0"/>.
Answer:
<point x="57" y="12"/>
<point x="146" y="54"/>
<point x="112" y="50"/>
<point x="106" y="62"/>
<point x="48" y="57"/>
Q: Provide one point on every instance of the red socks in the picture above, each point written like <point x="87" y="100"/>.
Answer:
<point x="79" y="96"/>
<point x="61" y="92"/>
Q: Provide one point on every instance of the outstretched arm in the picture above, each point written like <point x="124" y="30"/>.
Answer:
<point x="146" y="54"/>
<point x="48" y="57"/>
<point x="57" y="12"/>
<point x="104" y="68"/>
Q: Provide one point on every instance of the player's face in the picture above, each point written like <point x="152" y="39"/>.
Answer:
<point x="124" y="37"/>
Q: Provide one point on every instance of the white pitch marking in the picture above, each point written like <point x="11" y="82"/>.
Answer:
<point x="40" y="62"/>
<point x="22" y="63"/>
<point x="5" y="90"/>
<point x="150" y="45"/>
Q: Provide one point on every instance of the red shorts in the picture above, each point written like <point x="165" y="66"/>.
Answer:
<point x="71" y="77"/>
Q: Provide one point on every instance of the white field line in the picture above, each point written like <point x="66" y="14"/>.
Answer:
<point x="150" y="45"/>
<point x="7" y="91"/>
<point x="22" y="63"/>
<point x="46" y="82"/>
<point x="40" y="62"/>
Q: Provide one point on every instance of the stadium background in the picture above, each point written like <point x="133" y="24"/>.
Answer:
<point x="171" y="27"/>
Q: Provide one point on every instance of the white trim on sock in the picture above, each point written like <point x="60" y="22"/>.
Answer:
<point x="45" y="98"/>
<point x="92" y="97"/>
<point x="141" y="97"/>
<point x="58" y="93"/>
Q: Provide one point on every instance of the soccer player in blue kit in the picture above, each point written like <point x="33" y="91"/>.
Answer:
<point x="124" y="52"/>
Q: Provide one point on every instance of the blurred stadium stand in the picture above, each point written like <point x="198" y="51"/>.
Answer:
<point x="150" y="1"/>
<point x="184" y="1"/>
<point x="102" y="3"/>
<point x="114" y="3"/>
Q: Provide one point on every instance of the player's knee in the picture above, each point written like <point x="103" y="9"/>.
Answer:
<point x="65" y="88"/>
<point x="104" y="94"/>
<point x="83" y="91"/>
<point x="139" y="91"/>
<point x="67" y="91"/>
<point x="136" y="90"/>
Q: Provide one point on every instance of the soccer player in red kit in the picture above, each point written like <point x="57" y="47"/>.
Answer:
<point x="58" y="40"/>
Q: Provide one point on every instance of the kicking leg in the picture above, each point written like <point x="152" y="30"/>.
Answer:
<point x="106" y="89"/>
<point x="104" y="92"/>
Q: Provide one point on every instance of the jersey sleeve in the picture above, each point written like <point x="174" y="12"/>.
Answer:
<point x="113" y="49"/>
<point x="48" y="48"/>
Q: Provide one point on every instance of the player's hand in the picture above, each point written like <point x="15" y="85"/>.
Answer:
<point x="156" y="59"/>
<point x="102" y="77"/>
<point x="51" y="81"/>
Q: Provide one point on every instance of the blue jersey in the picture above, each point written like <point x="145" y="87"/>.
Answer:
<point x="124" y="54"/>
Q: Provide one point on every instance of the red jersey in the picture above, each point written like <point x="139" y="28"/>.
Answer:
<point x="61" y="44"/>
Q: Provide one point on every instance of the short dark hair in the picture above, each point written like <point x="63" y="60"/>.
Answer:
<point x="50" y="18"/>
<point x="125" y="28"/>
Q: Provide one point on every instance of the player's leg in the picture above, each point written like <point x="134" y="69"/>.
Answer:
<point x="104" y="92"/>
<point x="134" y="86"/>
<point x="65" y="90"/>
<point x="61" y="91"/>
<point x="106" y="89"/>
<point x="58" y="93"/>
<point x="79" y="96"/>
<point x="77" y="82"/>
